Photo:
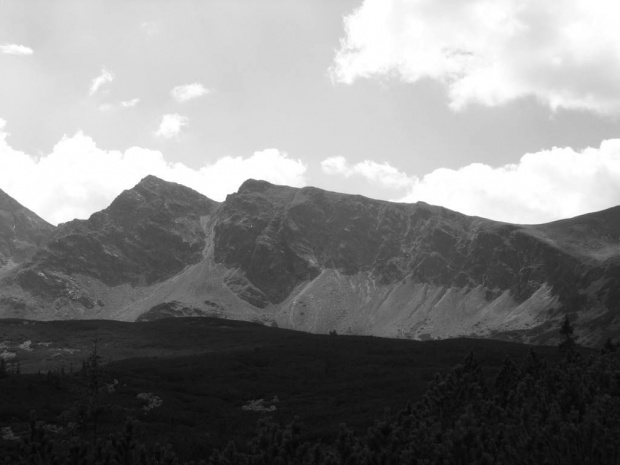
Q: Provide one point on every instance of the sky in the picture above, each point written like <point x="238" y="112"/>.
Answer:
<point x="506" y="109"/>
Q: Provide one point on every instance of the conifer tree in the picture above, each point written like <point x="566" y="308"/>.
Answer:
<point x="610" y="346"/>
<point x="567" y="346"/>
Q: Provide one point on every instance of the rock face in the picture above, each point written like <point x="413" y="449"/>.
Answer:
<point x="416" y="257"/>
<point x="280" y="237"/>
<point x="21" y="231"/>
<point x="321" y="261"/>
<point x="149" y="233"/>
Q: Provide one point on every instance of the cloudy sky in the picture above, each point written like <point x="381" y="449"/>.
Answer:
<point x="507" y="109"/>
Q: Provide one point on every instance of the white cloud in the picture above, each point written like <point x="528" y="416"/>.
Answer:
<point x="78" y="178"/>
<point x="115" y="106"/>
<point x="130" y="103"/>
<point x="564" y="53"/>
<point x="15" y="49"/>
<point x="188" y="92"/>
<point x="382" y="174"/>
<point x="543" y="186"/>
<point x="171" y="125"/>
<point x="270" y="165"/>
<point x="336" y="165"/>
<point x="104" y="78"/>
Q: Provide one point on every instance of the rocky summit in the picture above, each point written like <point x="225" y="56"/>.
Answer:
<point x="320" y="261"/>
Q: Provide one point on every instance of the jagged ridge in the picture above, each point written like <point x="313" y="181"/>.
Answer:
<point x="281" y="236"/>
<point x="316" y="260"/>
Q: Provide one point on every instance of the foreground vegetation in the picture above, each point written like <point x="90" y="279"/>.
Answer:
<point x="504" y="404"/>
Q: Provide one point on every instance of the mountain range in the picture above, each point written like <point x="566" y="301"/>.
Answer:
<point x="313" y="260"/>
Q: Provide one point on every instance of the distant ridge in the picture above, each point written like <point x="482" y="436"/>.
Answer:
<point x="319" y="261"/>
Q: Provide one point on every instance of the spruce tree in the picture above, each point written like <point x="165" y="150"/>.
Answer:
<point x="567" y="346"/>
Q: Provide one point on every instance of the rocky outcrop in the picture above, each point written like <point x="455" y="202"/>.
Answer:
<point x="22" y="232"/>
<point x="176" y="309"/>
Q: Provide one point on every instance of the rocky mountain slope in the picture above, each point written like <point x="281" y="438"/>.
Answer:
<point x="320" y="261"/>
<point x="21" y="232"/>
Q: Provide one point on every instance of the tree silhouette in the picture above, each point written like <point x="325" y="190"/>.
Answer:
<point x="568" y="343"/>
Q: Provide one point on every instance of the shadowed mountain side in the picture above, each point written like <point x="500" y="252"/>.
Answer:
<point x="21" y="232"/>
<point x="280" y="236"/>
<point x="322" y="261"/>
<point x="361" y="266"/>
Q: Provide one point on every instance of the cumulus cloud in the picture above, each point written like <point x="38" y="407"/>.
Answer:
<point x="15" y="49"/>
<point x="565" y="53"/>
<point x="228" y="173"/>
<point x="382" y="174"/>
<point x="104" y="78"/>
<point x="171" y="125"/>
<point x="544" y="186"/>
<point x="188" y="92"/>
<point x="78" y="178"/>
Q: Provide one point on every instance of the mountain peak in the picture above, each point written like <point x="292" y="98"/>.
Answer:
<point x="255" y="186"/>
<point x="154" y="184"/>
<point x="148" y="233"/>
<point x="153" y="181"/>
<point x="152" y="190"/>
